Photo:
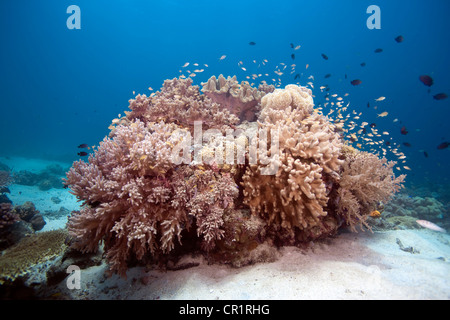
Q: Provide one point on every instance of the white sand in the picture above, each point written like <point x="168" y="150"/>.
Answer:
<point x="350" y="266"/>
<point x="360" y="265"/>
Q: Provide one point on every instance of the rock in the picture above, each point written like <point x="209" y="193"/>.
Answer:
<point x="37" y="222"/>
<point x="55" y="200"/>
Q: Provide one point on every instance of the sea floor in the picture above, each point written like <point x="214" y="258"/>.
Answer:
<point x="395" y="264"/>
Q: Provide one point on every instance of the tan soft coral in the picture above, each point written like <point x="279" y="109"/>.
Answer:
<point x="240" y="99"/>
<point x="296" y="196"/>
<point x="365" y="181"/>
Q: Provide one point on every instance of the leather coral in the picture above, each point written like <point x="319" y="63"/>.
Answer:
<point x="296" y="196"/>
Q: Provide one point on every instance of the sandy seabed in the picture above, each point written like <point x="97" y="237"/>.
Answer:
<point x="360" y="265"/>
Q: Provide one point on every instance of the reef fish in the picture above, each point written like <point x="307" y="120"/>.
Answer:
<point x="440" y="96"/>
<point x="82" y="154"/>
<point x="383" y="114"/>
<point x="378" y="50"/>
<point x="375" y="214"/>
<point x="324" y="56"/>
<point x="252" y="43"/>
<point x="430" y="225"/>
<point x="426" y="80"/>
<point x="443" y="145"/>
<point x="399" y="39"/>
<point x="403" y="130"/>
<point x="356" y="82"/>
<point x="82" y="146"/>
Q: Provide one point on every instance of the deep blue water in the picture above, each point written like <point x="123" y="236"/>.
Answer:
<point x="62" y="87"/>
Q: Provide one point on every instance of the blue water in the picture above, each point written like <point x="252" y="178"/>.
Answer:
<point x="60" y="88"/>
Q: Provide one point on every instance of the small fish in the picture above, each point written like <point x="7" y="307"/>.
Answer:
<point x="403" y="130"/>
<point x="292" y="45"/>
<point x="297" y="76"/>
<point x="383" y="114"/>
<point x="375" y="214"/>
<point x="297" y="47"/>
<point x="378" y="50"/>
<point x="443" y="145"/>
<point x="356" y="82"/>
<point x="373" y="125"/>
<point x="185" y="65"/>
<point x="425" y="154"/>
<point x="327" y="75"/>
<point x="324" y="56"/>
<point x="307" y="66"/>
<point x="380" y="99"/>
<point x="222" y="57"/>
<point x="368" y="105"/>
<point x="82" y="154"/>
<point x="440" y="96"/>
<point x="83" y="146"/>
<point x="407" y="168"/>
<point x="363" y="64"/>
<point x="399" y="39"/>
<point x="407" y="144"/>
<point x="293" y="56"/>
<point x="388" y="143"/>
<point x="252" y="43"/>
<point x="426" y="80"/>
<point x="430" y="225"/>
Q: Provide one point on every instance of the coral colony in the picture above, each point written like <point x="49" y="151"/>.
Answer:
<point x="228" y="171"/>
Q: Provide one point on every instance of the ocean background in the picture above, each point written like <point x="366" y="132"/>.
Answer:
<point x="60" y="88"/>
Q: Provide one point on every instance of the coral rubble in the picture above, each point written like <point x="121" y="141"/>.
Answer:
<point x="149" y="190"/>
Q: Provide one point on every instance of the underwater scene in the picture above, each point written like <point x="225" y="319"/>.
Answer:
<point x="235" y="150"/>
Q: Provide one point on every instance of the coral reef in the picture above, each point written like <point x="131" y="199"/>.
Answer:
<point x="144" y="204"/>
<point x="46" y="179"/>
<point x="31" y="252"/>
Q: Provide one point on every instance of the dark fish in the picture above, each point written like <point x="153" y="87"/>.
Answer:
<point x="443" y="145"/>
<point x="297" y="76"/>
<point x="364" y="130"/>
<point x="84" y="145"/>
<point x="345" y="76"/>
<point x="292" y="45"/>
<point x="368" y="105"/>
<point x="324" y="56"/>
<point x="426" y="80"/>
<point x="327" y="75"/>
<point x="403" y="130"/>
<point x="425" y="154"/>
<point x="440" y="96"/>
<point x="82" y="154"/>
<point x="399" y="39"/>
<point x="363" y="64"/>
<point x="407" y="144"/>
<point x="356" y="82"/>
<point x="378" y="50"/>
<point x="388" y="143"/>
<point x="252" y="43"/>
<point x="293" y="56"/>
<point x="373" y="125"/>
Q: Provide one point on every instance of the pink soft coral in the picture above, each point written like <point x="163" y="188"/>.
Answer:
<point x="137" y="201"/>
